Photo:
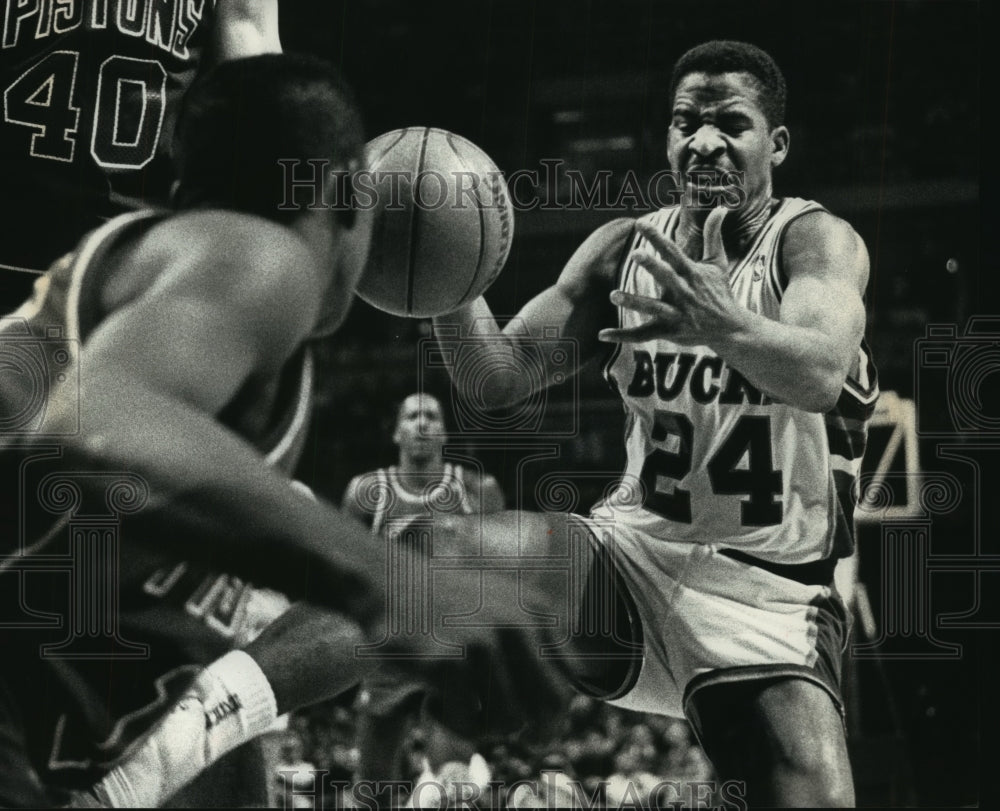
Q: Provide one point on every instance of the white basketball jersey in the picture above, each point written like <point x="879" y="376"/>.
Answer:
<point x="393" y="500"/>
<point x="712" y="460"/>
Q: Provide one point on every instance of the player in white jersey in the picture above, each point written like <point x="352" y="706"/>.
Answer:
<point x="740" y="488"/>
<point x="736" y="321"/>
<point x="421" y="483"/>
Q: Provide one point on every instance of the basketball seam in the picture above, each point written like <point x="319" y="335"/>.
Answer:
<point x="482" y="224"/>
<point x="373" y="161"/>
<point x="414" y="231"/>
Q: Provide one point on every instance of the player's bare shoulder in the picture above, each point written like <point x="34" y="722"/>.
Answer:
<point x="212" y="252"/>
<point x="235" y="241"/>
<point x="819" y="242"/>
<point x="218" y="275"/>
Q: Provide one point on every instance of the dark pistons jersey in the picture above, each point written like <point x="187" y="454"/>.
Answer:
<point x="385" y="495"/>
<point x="712" y="460"/>
<point x="90" y="91"/>
<point x="100" y="635"/>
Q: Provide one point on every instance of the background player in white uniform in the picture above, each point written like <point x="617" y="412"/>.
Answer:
<point x="421" y="483"/>
<point x="740" y="361"/>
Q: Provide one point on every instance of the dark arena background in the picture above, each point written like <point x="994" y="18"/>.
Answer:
<point x="884" y="112"/>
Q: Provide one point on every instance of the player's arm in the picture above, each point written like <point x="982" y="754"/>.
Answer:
<point x="352" y="503"/>
<point x="488" y="491"/>
<point x="493" y="499"/>
<point x="803" y="357"/>
<point x="246" y="28"/>
<point x="574" y="308"/>
<point x="227" y="312"/>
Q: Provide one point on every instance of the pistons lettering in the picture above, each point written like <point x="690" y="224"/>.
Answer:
<point x="218" y="600"/>
<point x="165" y="24"/>
<point x="706" y="378"/>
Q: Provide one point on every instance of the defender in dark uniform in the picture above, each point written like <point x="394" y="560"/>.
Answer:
<point x="180" y="388"/>
<point x="90" y="98"/>
<point x="149" y="391"/>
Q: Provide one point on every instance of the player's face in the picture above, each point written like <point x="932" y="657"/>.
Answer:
<point x="420" y="426"/>
<point x="717" y="127"/>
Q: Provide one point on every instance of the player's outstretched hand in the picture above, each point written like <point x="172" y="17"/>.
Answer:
<point x="503" y="686"/>
<point x="697" y="305"/>
<point x="465" y="620"/>
<point x="500" y="685"/>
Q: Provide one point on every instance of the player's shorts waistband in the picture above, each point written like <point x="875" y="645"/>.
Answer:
<point x="815" y="573"/>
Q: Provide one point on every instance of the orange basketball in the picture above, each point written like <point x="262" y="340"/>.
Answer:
<point x="443" y="222"/>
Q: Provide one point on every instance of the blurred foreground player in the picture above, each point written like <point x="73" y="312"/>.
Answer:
<point x="421" y="484"/>
<point x="738" y="321"/>
<point x="181" y="399"/>
<point x="91" y="92"/>
<point x="194" y="377"/>
<point x="189" y="332"/>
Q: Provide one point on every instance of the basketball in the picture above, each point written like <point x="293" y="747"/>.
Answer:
<point x="443" y="222"/>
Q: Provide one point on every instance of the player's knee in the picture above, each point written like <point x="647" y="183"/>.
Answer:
<point x="814" y="773"/>
<point x="839" y="796"/>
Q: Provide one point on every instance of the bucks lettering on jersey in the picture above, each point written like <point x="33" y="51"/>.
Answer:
<point x="713" y="460"/>
<point x="90" y="90"/>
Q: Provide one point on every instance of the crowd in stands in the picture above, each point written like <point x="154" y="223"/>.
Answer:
<point x="614" y="757"/>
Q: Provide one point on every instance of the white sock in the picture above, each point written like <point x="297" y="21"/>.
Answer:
<point x="229" y="703"/>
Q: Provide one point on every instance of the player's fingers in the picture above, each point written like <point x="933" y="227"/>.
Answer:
<point x="667" y="249"/>
<point x="634" y="335"/>
<point x="664" y="273"/>
<point x="641" y="304"/>
<point x="714" y="250"/>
